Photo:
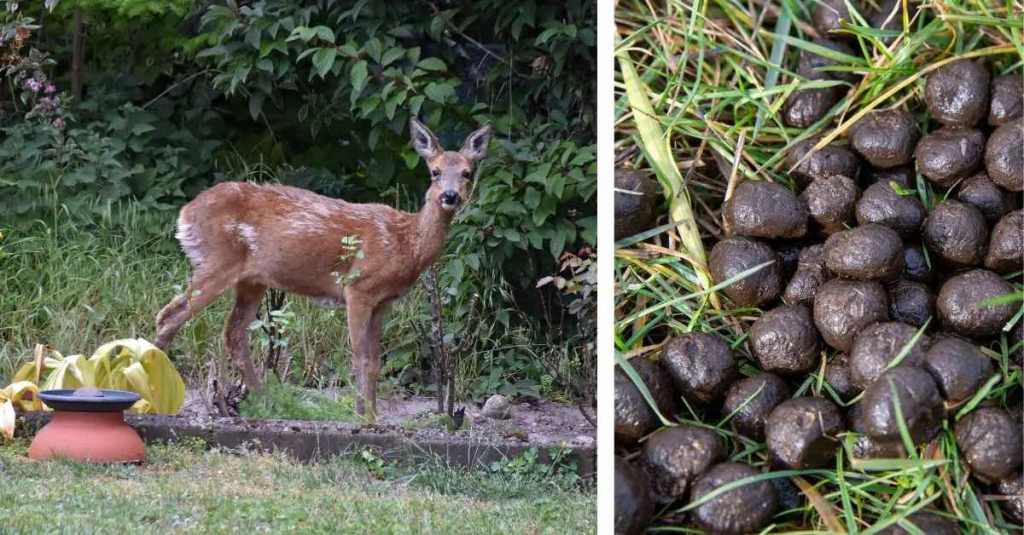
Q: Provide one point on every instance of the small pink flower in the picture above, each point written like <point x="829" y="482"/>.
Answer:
<point x="58" y="123"/>
<point x="51" y="89"/>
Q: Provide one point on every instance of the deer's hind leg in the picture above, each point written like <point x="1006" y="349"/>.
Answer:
<point x="203" y="290"/>
<point x="248" y="297"/>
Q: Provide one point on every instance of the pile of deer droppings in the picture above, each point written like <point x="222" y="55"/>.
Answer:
<point x="887" y="264"/>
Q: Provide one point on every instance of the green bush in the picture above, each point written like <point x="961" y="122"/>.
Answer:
<point x="318" y="95"/>
<point x="395" y="61"/>
<point x="125" y="155"/>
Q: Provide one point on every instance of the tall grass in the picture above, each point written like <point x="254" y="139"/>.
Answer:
<point x="712" y="75"/>
<point x="76" y="282"/>
<point x="75" y="286"/>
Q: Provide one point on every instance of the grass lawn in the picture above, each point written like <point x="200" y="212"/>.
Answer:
<point x="186" y="488"/>
<point x="699" y="98"/>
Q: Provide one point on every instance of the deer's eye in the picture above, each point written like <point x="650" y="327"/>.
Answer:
<point x="465" y="174"/>
<point x="435" y="173"/>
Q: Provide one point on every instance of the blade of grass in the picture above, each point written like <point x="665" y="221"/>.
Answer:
<point x="638" y="382"/>
<point x="905" y="350"/>
<point x="719" y="286"/>
<point x="979" y="396"/>
<point x="820" y="505"/>
<point x="733" y="485"/>
<point x="656" y="146"/>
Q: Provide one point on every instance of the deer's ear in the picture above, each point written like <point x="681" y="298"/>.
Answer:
<point x="423" y="140"/>
<point x="475" y="146"/>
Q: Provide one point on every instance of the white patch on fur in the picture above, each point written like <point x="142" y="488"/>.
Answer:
<point x="190" y="242"/>
<point x="383" y="232"/>
<point x="248" y="235"/>
<point x="328" y="302"/>
<point x="304" y="222"/>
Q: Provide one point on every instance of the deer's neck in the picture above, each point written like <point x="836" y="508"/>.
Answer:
<point x="431" y="229"/>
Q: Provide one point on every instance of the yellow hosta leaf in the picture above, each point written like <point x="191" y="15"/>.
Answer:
<point x="117" y="381"/>
<point x="146" y="370"/>
<point x="142" y="407"/>
<point x="129" y="364"/>
<point x="31" y="371"/>
<point x="27" y="372"/>
<point x="125" y="347"/>
<point x="138" y="379"/>
<point x="7" y="419"/>
<point x="66" y="375"/>
<point x="86" y="371"/>
<point x="166" y="384"/>
<point x="24" y="393"/>
<point x="101" y="369"/>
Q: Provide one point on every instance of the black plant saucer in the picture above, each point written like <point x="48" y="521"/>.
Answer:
<point x="100" y="401"/>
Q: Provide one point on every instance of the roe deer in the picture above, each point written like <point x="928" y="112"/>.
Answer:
<point x="252" y="237"/>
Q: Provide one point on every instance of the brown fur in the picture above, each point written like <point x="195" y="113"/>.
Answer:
<point x="250" y="237"/>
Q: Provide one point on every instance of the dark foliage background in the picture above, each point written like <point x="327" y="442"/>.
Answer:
<point x="114" y="113"/>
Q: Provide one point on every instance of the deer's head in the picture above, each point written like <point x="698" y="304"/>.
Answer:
<point x="450" y="171"/>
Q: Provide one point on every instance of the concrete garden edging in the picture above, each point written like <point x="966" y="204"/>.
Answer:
<point x="313" y="440"/>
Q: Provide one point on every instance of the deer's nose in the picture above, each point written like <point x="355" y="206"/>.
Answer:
<point x="450" y="197"/>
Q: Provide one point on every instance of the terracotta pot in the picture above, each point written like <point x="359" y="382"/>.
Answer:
<point x="98" y="437"/>
<point x="88" y="426"/>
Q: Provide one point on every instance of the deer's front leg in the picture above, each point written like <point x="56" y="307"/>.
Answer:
<point x="360" y="315"/>
<point x="371" y="361"/>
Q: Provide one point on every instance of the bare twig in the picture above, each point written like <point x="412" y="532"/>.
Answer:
<point x="174" y="85"/>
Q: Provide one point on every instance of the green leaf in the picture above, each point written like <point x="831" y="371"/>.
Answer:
<point x="588" y="229"/>
<point x="411" y="159"/>
<point x="392" y="104"/>
<point x="456" y="269"/>
<point x="544" y="211"/>
<point x="306" y="53"/>
<point x="212" y="51"/>
<point x="437" y="25"/>
<point x="359" y="75"/>
<point x="546" y="34"/>
<point x="323" y="60"/>
<point x="373" y="48"/>
<point x="536" y="239"/>
<point x="142" y="128"/>
<point x="252" y="37"/>
<point x="391" y="55"/>
<point x="532" y="198"/>
<point x="438" y="92"/>
<point x="256" y="105"/>
<point x="301" y="33"/>
<point x="511" y="207"/>
<point x="325" y="33"/>
<point x="413" y="54"/>
<point x="349" y="50"/>
<point x="432" y="64"/>
<point x="557" y="244"/>
<point x="556" y="185"/>
<point x="539" y="174"/>
<point x="415" y="103"/>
